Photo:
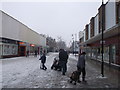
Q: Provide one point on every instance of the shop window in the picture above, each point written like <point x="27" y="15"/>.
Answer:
<point x="99" y="53"/>
<point x="0" y="51"/>
<point x="10" y="49"/>
<point x="113" y="50"/>
<point x="93" y="53"/>
<point x="106" y="54"/>
<point x="6" y="50"/>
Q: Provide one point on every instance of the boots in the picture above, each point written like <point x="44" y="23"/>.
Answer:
<point x="83" y="79"/>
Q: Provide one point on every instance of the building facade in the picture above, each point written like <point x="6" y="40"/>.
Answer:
<point x="108" y="20"/>
<point x="16" y="39"/>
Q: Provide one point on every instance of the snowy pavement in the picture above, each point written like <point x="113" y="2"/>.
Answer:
<point x="22" y="72"/>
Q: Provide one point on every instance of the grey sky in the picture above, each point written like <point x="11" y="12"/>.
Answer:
<point x="53" y="18"/>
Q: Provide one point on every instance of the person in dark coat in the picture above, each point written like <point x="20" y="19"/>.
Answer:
<point x="43" y="61"/>
<point x="27" y="54"/>
<point x="36" y="53"/>
<point x="81" y="65"/>
<point x="63" y="56"/>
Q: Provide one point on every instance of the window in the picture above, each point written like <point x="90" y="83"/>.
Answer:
<point x="118" y="12"/>
<point x="10" y="49"/>
<point x="0" y="50"/>
<point x="113" y="50"/>
<point x="106" y="54"/>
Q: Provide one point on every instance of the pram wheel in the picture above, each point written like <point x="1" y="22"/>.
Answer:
<point x="70" y="81"/>
<point x="51" y="67"/>
<point x="75" y="83"/>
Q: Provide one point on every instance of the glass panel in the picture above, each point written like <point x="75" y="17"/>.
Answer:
<point x="113" y="53"/>
<point x="10" y="49"/>
<point x="106" y="54"/>
<point x="99" y="53"/>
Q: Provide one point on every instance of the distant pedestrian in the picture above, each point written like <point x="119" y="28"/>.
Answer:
<point x="81" y="65"/>
<point x="36" y="53"/>
<point x="43" y="61"/>
<point x="63" y="56"/>
<point x="27" y="54"/>
<point x="40" y="53"/>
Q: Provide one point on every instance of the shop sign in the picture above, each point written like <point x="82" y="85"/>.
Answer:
<point x="21" y="43"/>
<point x="32" y="45"/>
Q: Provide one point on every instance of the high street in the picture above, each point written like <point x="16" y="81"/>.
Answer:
<point x="25" y="72"/>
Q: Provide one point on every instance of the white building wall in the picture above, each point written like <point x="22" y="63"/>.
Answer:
<point x="15" y="30"/>
<point x="110" y="14"/>
<point x="23" y="33"/>
<point x="33" y="37"/>
<point x="30" y="36"/>
<point x="10" y="27"/>
<point x="0" y="24"/>
<point x="96" y="27"/>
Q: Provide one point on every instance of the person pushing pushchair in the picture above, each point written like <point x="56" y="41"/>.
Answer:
<point x="56" y="64"/>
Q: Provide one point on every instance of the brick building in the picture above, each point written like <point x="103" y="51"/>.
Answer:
<point x="108" y="20"/>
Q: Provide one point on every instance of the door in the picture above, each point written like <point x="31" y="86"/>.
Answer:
<point x="22" y="50"/>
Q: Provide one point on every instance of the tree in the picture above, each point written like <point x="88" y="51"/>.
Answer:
<point x="51" y="43"/>
<point x="60" y="43"/>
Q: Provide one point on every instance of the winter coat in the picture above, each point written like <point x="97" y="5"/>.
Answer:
<point x="63" y="56"/>
<point x="81" y="61"/>
<point x="43" y="58"/>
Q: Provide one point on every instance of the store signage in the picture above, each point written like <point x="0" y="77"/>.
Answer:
<point x="21" y="43"/>
<point x="32" y="45"/>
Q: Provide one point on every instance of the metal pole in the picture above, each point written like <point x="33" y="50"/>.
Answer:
<point x="102" y="64"/>
<point x="73" y="42"/>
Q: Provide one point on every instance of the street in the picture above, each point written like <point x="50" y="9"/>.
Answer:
<point x="25" y="72"/>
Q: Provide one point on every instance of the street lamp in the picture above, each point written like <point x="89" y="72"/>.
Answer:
<point x="102" y="64"/>
<point x="73" y="42"/>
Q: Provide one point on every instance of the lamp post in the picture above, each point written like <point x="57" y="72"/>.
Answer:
<point x="73" y="42"/>
<point x="102" y="64"/>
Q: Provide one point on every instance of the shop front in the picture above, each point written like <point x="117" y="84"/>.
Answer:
<point x="9" y="48"/>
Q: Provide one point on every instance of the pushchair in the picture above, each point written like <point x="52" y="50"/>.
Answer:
<point x="74" y="77"/>
<point x="56" y="64"/>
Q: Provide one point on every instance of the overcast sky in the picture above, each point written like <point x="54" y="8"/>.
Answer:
<point x="53" y="18"/>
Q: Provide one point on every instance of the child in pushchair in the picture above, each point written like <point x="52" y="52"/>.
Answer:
<point x="75" y="77"/>
<point x="56" y="64"/>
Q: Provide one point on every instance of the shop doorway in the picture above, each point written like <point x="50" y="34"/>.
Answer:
<point x="22" y="50"/>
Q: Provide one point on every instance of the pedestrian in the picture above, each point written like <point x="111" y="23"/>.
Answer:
<point x="27" y="54"/>
<point x="43" y="61"/>
<point x="35" y="53"/>
<point x="63" y="56"/>
<point x="81" y="66"/>
<point x="41" y="53"/>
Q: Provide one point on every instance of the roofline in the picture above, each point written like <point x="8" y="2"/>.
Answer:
<point x="20" y="22"/>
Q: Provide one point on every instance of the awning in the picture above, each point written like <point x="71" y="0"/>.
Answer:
<point x="107" y="33"/>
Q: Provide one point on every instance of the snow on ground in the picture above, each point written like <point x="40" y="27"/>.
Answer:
<point x="25" y="72"/>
